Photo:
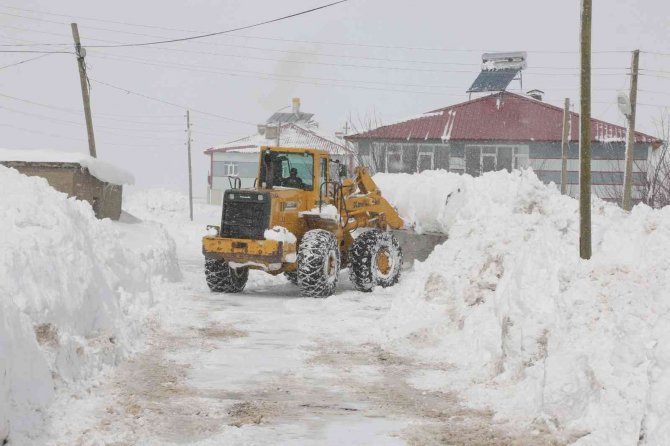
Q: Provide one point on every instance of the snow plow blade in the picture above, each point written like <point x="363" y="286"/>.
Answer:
<point x="417" y="246"/>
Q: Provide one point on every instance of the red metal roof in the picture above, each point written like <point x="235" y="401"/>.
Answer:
<point x="499" y="117"/>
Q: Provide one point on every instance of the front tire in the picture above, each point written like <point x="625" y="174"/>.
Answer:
<point x="318" y="263"/>
<point x="375" y="260"/>
<point x="292" y="277"/>
<point x="221" y="278"/>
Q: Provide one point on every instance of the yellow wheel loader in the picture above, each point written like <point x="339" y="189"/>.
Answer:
<point x="304" y="218"/>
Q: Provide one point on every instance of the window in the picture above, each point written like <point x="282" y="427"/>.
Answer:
<point x="290" y="169"/>
<point x="225" y="168"/>
<point x="425" y="161"/>
<point x="394" y="159"/>
<point x="487" y="158"/>
<point x="232" y="169"/>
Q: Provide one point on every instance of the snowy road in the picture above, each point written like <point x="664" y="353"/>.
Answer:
<point x="267" y="367"/>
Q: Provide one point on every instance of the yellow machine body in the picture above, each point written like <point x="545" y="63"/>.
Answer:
<point x="357" y="201"/>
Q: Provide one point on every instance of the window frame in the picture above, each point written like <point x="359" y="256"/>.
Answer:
<point x="520" y="154"/>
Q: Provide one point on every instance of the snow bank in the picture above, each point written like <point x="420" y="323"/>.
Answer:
<point x="580" y="347"/>
<point x="171" y="209"/>
<point x="74" y="292"/>
<point x="419" y="198"/>
<point x="102" y="170"/>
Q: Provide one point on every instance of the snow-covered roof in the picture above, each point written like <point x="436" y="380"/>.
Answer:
<point x="102" y="170"/>
<point x="291" y="135"/>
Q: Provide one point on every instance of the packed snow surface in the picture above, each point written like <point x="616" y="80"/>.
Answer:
<point x="74" y="294"/>
<point x="525" y="326"/>
<point x="102" y="170"/>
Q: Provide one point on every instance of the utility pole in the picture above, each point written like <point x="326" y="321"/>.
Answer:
<point x="565" y="147"/>
<point x="85" y="94"/>
<point x="585" y="132"/>
<point x="630" y="140"/>
<point x="190" y="174"/>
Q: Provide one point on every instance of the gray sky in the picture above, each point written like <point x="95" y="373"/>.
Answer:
<point x="248" y="75"/>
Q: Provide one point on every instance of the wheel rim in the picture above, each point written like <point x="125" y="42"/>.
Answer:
<point x="384" y="263"/>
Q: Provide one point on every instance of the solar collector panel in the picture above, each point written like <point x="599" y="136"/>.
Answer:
<point x="493" y="80"/>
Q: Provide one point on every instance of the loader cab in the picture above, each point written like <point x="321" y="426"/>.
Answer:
<point x="310" y="166"/>
<point x="280" y="169"/>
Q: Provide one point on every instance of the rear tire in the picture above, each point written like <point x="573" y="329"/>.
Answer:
<point x="375" y="260"/>
<point x="318" y="263"/>
<point x="221" y="278"/>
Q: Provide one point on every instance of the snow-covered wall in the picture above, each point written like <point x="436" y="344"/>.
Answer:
<point x="525" y="326"/>
<point x="74" y="292"/>
<point x="102" y="170"/>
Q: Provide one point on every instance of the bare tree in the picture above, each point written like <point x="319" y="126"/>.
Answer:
<point x="362" y="124"/>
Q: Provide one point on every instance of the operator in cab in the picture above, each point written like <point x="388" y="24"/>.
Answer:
<point x="293" y="180"/>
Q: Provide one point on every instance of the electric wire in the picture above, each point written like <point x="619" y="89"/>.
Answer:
<point x="162" y="101"/>
<point x="21" y="62"/>
<point x="227" y="31"/>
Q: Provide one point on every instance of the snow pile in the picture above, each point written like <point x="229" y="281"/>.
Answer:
<point x="171" y="209"/>
<point x="74" y="294"/>
<point x="102" y="170"/>
<point x="580" y="347"/>
<point x="327" y="212"/>
<point x="419" y="198"/>
<point x="280" y="234"/>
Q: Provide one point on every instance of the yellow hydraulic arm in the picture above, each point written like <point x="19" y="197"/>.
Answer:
<point x="364" y="206"/>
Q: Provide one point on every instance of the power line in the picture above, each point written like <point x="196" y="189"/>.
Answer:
<point x="307" y="53"/>
<point x="104" y="128"/>
<point x="53" y="135"/>
<point x="305" y="80"/>
<point x="99" y="20"/>
<point x="36" y="51"/>
<point x="228" y="31"/>
<point x="347" y="44"/>
<point x="24" y="61"/>
<point x="162" y="101"/>
<point x="108" y="116"/>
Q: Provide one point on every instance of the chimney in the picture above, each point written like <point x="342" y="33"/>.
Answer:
<point x="296" y="106"/>
<point x="536" y="94"/>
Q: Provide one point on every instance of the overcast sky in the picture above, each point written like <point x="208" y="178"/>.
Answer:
<point x="394" y="57"/>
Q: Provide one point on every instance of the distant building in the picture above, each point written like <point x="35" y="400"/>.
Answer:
<point x="239" y="158"/>
<point x="77" y="175"/>
<point x="505" y="130"/>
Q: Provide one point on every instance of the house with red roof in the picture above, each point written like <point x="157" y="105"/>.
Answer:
<point x="508" y="131"/>
<point x="238" y="159"/>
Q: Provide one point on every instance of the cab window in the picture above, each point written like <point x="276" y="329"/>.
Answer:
<point x="289" y="169"/>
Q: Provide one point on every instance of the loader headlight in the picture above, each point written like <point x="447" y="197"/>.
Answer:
<point x="231" y="196"/>
<point x="260" y="198"/>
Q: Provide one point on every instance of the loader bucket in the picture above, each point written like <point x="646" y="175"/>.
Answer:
<point x="417" y="246"/>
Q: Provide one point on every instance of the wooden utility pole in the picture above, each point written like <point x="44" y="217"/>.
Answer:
<point x="85" y="94"/>
<point x="565" y="147"/>
<point x="630" y="140"/>
<point x="190" y="174"/>
<point x="585" y="133"/>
